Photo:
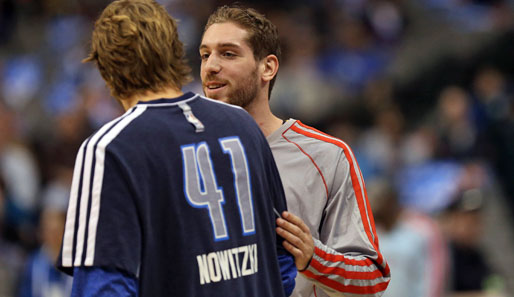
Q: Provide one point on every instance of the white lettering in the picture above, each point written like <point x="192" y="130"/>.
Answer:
<point x="244" y="266"/>
<point x="226" y="264"/>
<point x="214" y="267"/>
<point x="235" y="253"/>
<point x="252" y="259"/>
<point x="203" y="269"/>
<point x="232" y="264"/>
<point x="225" y="270"/>
<point x="256" y="259"/>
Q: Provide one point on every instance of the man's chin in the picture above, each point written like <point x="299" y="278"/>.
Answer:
<point x="212" y="96"/>
<point x="218" y="98"/>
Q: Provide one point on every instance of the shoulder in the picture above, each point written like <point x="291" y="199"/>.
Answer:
<point x="311" y="139"/>
<point x="105" y="135"/>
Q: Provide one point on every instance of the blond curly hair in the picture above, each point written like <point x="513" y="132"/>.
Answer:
<point x="136" y="48"/>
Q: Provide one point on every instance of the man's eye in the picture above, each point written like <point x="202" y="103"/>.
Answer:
<point x="229" y="54"/>
<point x="204" y="56"/>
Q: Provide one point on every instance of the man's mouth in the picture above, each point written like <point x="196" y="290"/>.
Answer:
<point x="214" y="85"/>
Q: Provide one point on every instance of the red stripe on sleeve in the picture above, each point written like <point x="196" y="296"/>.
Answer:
<point x="312" y="160"/>
<point x="347" y="288"/>
<point x="354" y="174"/>
<point x="345" y="273"/>
<point x="341" y="258"/>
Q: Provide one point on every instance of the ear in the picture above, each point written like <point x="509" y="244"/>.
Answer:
<point x="269" y="68"/>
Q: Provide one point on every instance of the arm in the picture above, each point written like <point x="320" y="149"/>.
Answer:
<point x="298" y="239"/>
<point x="346" y="259"/>
<point x="113" y="237"/>
<point x="99" y="282"/>
<point x="288" y="272"/>
<point x="286" y="261"/>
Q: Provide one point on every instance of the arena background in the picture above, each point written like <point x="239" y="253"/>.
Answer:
<point x="421" y="90"/>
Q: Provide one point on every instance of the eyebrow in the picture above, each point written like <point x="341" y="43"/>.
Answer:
<point x="222" y="45"/>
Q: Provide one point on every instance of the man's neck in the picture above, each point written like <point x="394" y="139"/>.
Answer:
<point x="149" y="96"/>
<point x="260" y="111"/>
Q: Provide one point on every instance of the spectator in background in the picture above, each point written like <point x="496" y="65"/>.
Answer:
<point x="491" y="92"/>
<point x="40" y="277"/>
<point x="21" y="179"/>
<point x="301" y="91"/>
<point x="473" y="15"/>
<point x="494" y="113"/>
<point x="57" y="156"/>
<point x="463" y="226"/>
<point x="454" y="123"/>
<point x="378" y="143"/>
<point x="412" y="243"/>
<point x="11" y="257"/>
<point x="353" y="58"/>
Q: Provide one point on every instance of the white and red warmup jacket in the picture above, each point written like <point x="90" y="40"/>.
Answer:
<point x="325" y="188"/>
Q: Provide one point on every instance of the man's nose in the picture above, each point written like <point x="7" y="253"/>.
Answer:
<point x="212" y="64"/>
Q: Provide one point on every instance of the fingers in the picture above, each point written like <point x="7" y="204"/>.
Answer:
<point x="297" y="238"/>
<point x="293" y="219"/>
<point x="290" y="228"/>
<point x="302" y="257"/>
<point x="292" y="249"/>
<point x="294" y="230"/>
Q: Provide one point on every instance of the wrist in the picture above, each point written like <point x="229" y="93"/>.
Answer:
<point x="306" y="266"/>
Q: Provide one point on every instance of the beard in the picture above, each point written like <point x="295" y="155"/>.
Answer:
<point x="244" y="91"/>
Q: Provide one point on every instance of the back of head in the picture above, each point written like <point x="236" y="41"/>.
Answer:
<point x="2" y="202"/>
<point x="262" y="33"/>
<point x="383" y="199"/>
<point x="136" y="47"/>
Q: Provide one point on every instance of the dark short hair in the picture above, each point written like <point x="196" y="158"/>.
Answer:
<point x="262" y="33"/>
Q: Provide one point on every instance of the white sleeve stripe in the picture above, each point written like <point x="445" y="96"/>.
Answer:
<point x="350" y="281"/>
<point x="348" y="267"/>
<point x="357" y="169"/>
<point x="86" y="185"/>
<point x="83" y="194"/>
<point x="86" y="178"/>
<point x="69" y="229"/>
<point x="98" y="179"/>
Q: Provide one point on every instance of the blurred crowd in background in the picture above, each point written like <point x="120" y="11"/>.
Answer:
<point x="423" y="92"/>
